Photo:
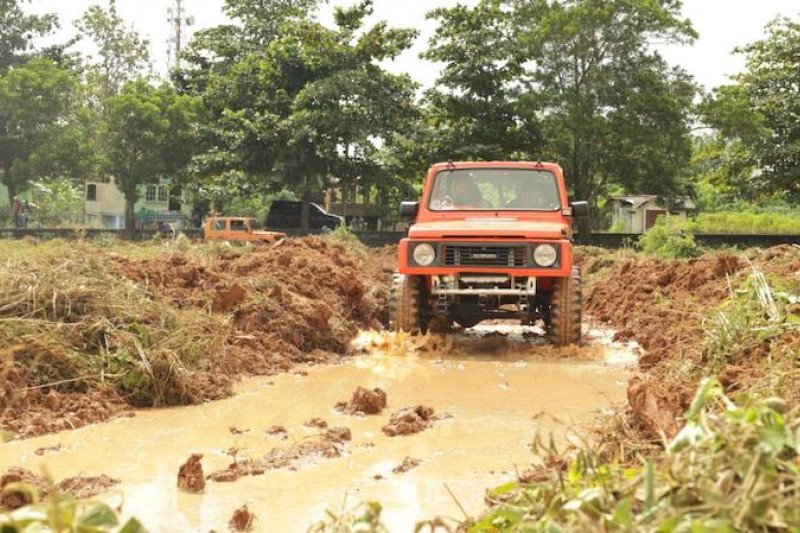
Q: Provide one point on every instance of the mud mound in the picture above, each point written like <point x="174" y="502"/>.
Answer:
<point x="364" y="401"/>
<point x="278" y="431"/>
<point x="172" y="328"/>
<point x="81" y="487"/>
<point x="658" y="303"/>
<point x="338" y="434"/>
<point x="85" y="487"/>
<point x="31" y="412"/>
<point x="317" y="423"/>
<point x="190" y="475"/>
<point x="663" y="305"/>
<point x="407" y="464"/>
<point x="13" y="499"/>
<point x="409" y="420"/>
<point x="242" y="519"/>
<point x="290" y="458"/>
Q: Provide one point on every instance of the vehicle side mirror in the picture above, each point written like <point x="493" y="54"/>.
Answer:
<point x="580" y="209"/>
<point x="408" y="211"/>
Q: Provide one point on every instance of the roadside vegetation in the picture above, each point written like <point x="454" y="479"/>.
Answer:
<point x="89" y="328"/>
<point x="709" y="438"/>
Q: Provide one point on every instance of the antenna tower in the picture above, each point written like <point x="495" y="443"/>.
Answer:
<point x="178" y="22"/>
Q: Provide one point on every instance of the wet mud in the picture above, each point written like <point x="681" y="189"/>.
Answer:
<point x="501" y="391"/>
<point x="81" y="487"/>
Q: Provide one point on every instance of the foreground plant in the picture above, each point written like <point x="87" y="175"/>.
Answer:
<point x="62" y="513"/>
<point x="730" y="468"/>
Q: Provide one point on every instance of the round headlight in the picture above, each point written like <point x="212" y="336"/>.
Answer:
<point x="545" y="255"/>
<point x="424" y="254"/>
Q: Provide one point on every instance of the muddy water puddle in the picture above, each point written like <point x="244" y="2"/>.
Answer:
<point x="499" y="391"/>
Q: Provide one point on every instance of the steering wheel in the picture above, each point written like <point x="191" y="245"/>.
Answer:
<point x="447" y="202"/>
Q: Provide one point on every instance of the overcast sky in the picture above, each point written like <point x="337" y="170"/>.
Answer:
<point x="722" y="24"/>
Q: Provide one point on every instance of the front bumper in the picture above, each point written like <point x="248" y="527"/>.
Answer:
<point x="524" y="267"/>
<point x="477" y="285"/>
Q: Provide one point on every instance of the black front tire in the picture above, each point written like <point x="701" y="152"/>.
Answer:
<point x="565" y="310"/>
<point x="406" y="304"/>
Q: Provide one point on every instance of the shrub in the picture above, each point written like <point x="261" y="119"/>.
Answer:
<point x="63" y="513"/>
<point x="668" y="240"/>
<point x="750" y="221"/>
<point x="731" y="468"/>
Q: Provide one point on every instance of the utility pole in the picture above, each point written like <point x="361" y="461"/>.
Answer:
<point x="177" y="23"/>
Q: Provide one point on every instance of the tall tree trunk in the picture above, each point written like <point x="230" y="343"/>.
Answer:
<point x="305" y="209"/>
<point x="130" y="216"/>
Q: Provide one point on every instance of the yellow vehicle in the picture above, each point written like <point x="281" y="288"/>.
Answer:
<point x="238" y="229"/>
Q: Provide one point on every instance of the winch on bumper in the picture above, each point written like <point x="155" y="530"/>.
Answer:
<point x="483" y="285"/>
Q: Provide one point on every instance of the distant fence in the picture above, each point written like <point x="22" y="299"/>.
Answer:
<point x="384" y="238"/>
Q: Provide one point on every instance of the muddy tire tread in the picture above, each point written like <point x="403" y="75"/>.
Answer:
<point x="565" y="309"/>
<point x="405" y="313"/>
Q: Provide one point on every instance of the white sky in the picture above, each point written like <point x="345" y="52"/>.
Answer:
<point x="722" y="24"/>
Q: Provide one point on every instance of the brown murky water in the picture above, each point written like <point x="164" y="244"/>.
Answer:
<point x="500" y="394"/>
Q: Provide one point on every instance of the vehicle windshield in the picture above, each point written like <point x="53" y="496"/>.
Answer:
<point x="495" y="189"/>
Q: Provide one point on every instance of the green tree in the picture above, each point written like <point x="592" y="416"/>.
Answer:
<point x="313" y="103"/>
<point x="342" y="118"/>
<point x="474" y="111"/>
<point x="42" y="125"/>
<point x="149" y="135"/>
<point x="758" y="116"/>
<point x="261" y="20"/>
<point x="122" y="54"/>
<point x="18" y="30"/>
<point x="612" y="110"/>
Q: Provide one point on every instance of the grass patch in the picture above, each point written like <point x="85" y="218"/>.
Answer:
<point x="731" y="468"/>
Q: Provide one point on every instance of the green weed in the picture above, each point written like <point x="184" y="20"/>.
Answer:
<point x="731" y="468"/>
<point x="668" y="240"/>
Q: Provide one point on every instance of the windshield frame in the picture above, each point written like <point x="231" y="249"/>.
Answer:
<point x="448" y="171"/>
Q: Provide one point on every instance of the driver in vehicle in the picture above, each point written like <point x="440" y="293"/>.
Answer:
<point x="465" y="194"/>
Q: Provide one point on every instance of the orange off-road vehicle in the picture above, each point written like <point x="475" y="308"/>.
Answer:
<point x="490" y="240"/>
<point x="238" y="229"/>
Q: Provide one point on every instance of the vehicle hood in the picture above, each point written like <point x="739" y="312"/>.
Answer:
<point x="488" y="227"/>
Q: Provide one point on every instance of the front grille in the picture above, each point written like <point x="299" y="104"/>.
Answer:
<point x="484" y="256"/>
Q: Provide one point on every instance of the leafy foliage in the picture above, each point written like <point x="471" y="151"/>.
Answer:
<point x="476" y="110"/>
<point x="668" y="240"/>
<point x="58" y="203"/>
<point x="122" y="53"/>
<point x="731" y="468"/>
<point x="62" y="513"/>
<point x="148" y="134"/>
<point x="758" y="113"/>
<point x="755" y="315"/>
<point x="295" y="108"/>
<point x="19" y="30"/>
<point x="42" y="124"/>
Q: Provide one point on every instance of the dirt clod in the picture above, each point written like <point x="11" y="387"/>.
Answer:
<point x="47" y="450"/>
<point x="85" y="487"/>
<point x="409" y="420"/>
<point x="81" y="487"/>
<point x="366" y="401"/>
<point x="190" y="475"/>
<point x="10" y="500"/>
<point x="277" y="431"/>
<point x="228" y="299"/>
<point x="407" y="464"/>
<point x="242" y="520"/>
<point x="316" y="423"/>
<point x="291" y="458"/>
<point x="338" y="434"/>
